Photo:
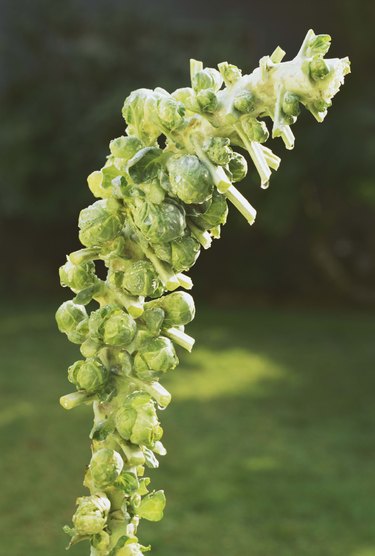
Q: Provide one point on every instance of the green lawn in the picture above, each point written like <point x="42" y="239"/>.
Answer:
<point x="271" y="438"/>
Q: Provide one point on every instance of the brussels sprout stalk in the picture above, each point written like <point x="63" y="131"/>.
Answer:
<point x="156" y="208"/>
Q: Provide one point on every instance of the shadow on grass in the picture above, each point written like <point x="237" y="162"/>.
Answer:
<point x="270" y="439"/>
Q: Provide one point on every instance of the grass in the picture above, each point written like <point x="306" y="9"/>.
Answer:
<point x="270" y="438"/>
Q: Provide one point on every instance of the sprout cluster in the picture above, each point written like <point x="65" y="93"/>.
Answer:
<point x="156" y="208"/>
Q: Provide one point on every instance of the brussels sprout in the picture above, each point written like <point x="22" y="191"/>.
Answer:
<point x="72" y="319"/>
<point x="89" y="375"/>
<point x="185" y="251"/>
<point x="158" y="354"/>
<point x="152" y="506"/>
<point x="137" y="421"/>
<point x="119" y="329"/>
<point x="209" y="78"/>
<point x="95" y="183"/>
<point x="105" y="467"/>
<point x="318" y="68"/>
<point x="190" y="179"/>
<point x="153" y="319"/>
<point x="140" y="279"/>
<point x="160" y="223"/>
<point x="237" y="167"/>
<point x="254" y="129"/>
<point x="90" y="517"/>
<point x="170" y="112"/>
<point x="97" y="320"/>
<point x="215" y="215"/>
<point x="134" y="113"/>
<point x="244" y="102"/>
<point x="128" y="482"/>
<point x="290" y="104"/>
<point x="145" y="164"/>
<point x="207" y="100"/>
<point x="112" y="326"/>
<point x="90" y="347"/>
<point x="125" y="147"/>
<point x="218" y="150"/>
<point x="230" y="73"/>
<point x="320" y="44"/>
<point x="186" y="96"/>
<point x="98" y="224"/>
<point x="77" y="276"/>
<point x="111" y="170"/>
<point x="179" y="308"/>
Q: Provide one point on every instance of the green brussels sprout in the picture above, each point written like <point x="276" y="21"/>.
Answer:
<point x="157" y="354"/>
<point x="185" y="251"/>
<point x="186" y="96"/>
<point x="160" y="223"/>
<point x="140" y="278"/>
<point x="254" y="129"/>
<point x="90" y="517"/>
<point x="179" y="308"/>
<point x="112" y="326"/>
<point x="98" y="224"/>
<point x="290" y="104"/>
<point x="90" y="347"/>
<point x="105" y="467"/>
<point x="237" y="167"/>
<point x="95" y="183"/>
<point x="77" y="277"/>
<point x="134" y="113"/>
<point x="128" y="482"/>
<point x="89" y="375"/>
<point x="190" y="179"/>
<point x="207" y="100"/>
<point x="230" y="73"/>
<point x="218" y="150"/>
<point x="125" y="147"/>
<point x="244" y="102"/>
<point x="208" y="78"/>
<point x="216" y="213"/>
<point x="153" y="319"/>
<point x="320" y="44"/>
<point x="145" y="164"/>
<point x="152" y="506"/>
<point x="119" y="329"/>
<point x="318" y="68"/>
<point x="72" y="320"/>
<point x="136" y="420"/>
<point x="170" y="112"/>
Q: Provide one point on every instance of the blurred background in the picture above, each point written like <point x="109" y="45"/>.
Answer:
<point x="270" y="435"/>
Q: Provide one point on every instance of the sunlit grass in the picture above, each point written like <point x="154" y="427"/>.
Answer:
<point x="270" y="438"/>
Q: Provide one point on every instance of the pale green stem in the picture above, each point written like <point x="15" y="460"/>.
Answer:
<point x="156" y="390"/>
<point x="241" y="204"/>
<point x="203" y="237"/>
<point x="257" y="156"/>
<point x="70" y="401"/>
<point x="195" y="67"/>
<point x="272" y="159"/>
<point x="185" y="281"/>
<point x="180" y="338"/>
